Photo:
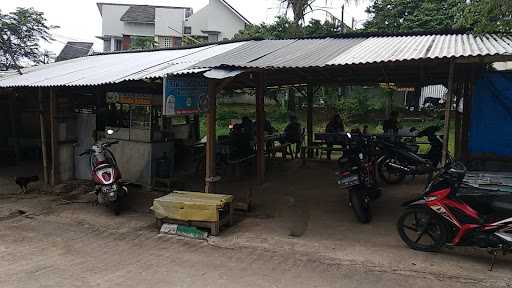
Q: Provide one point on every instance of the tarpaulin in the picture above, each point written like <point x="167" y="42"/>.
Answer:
<point x="491" y="115"/>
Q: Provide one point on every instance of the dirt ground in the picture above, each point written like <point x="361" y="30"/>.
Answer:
<point x="48" y="242"/>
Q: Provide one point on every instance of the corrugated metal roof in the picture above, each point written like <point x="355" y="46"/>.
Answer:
<point x="114" y="68"/>
<point x="261" y="54"/>
<point x="283" y="53"/>
<point x="391" y="49"/>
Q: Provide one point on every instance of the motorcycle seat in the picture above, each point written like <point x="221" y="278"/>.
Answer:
<point x="502" y="204"/>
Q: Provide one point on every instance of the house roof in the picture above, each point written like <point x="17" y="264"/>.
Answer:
<point x="139" y="14"/>
<point x="267" y="55"/>
<point x="74" y="50"/>
<point x="100" y="5"/>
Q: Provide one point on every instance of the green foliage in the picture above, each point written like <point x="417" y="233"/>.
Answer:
<point x="435" y="15"/>
<point x="20" y="34"/>
<point x="285" y="28"/>
<point x="192" y="40"/>
<point x="143" y="42"/>
<point x="487" y="16"/>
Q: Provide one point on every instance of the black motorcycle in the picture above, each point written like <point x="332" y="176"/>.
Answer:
<point x="402" y="159"/>
<point x="357" y="173"/>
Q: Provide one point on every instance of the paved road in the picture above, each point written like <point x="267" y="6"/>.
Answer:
<point x="50" y="251"/>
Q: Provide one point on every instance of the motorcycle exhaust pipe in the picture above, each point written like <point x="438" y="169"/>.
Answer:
<point x="399" y="167"/>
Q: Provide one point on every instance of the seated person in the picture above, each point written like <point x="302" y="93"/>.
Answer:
<point x="247" y="126"/>
<point x="391" y="126"/>
<point x="268" y="128"/>
<point x="240" y="143"/>
<point x="293" y="131"/>
<point x="335" y="126"/>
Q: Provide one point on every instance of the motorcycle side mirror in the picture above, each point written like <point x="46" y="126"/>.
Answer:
<point x="110" y="131"/>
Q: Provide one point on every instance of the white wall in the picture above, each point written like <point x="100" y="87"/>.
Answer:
<point x="165" y="18"/>
<point x="221" y="18"/>
<point x="139" y="29"/>
<point x="111" y="23"/>
<point x="198" y="21"/>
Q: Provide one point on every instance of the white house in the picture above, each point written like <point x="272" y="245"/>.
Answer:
<point x="122" y="24"/>
<point x="218" y="21"/>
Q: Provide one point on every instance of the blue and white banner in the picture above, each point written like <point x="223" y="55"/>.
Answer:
<point x="184" y="95"/>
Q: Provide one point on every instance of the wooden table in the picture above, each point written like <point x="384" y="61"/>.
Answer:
<point x="196" y="209"/>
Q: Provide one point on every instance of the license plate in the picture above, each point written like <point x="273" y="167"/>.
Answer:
<point x="348" y="181"/>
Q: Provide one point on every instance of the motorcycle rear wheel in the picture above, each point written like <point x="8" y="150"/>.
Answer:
<point x="390" y="176"/>
<point x="361" y="206"/>
<point x="425" y="224"/>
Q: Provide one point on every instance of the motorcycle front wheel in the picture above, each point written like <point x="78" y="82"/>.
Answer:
<point x="389" y="174"/>
<point x="422" y="230"/>
<point x="360" y="205"/>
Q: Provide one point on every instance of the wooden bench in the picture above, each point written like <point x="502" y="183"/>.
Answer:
<point x="211" y="211"/>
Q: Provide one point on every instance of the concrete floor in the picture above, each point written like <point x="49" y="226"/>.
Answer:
<point x="57" y="244"/>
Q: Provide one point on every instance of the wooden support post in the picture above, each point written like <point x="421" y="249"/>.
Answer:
<point x="462" y="90"/>
<point x="211" y="137"/>
<point x="260" y="128"/>
<point x="13" y="116"/>
<point x="447" y="112"/>
<point x="197" y="128"/>
<point x="310" y="94"/>
<point x="53" y="137"/>
<point x="43" y="136"/>
<point x="466" y="118"/>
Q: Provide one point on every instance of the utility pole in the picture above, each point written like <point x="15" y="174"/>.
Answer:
<point x="342" y="18"/>
<point x="353" y="22"/>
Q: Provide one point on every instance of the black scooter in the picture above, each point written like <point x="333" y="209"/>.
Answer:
<point x="400" y="160"/>
<point x="357" y="174"/>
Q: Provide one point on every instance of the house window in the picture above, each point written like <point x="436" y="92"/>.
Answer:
<point x="187" y="30"/>
<point x="166" y="41"/>
<point x="188" y="13"/>
<point x="118" y="45"/>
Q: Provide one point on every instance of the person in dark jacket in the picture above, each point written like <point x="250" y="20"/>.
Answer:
<point x="334" y="127"/>
<point x="391" y="125"/>
<point x="293" y="134"/>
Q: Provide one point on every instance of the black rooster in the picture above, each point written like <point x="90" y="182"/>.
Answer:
<point x="24" y="181"/>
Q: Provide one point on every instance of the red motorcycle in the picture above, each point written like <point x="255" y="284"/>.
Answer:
<point x="451" y="213"/>
<point x="106" y="175"/>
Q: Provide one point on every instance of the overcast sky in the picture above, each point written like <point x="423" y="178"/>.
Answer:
<point x="80" y="19"/>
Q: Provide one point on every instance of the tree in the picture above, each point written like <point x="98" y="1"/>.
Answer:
<point x="413" y="15"/>
<point x="143" y="42"/>
<point x="487" y="16"/>
<point x="302" y="7"/>
<point x="284" y="28"/>
<point x="436" y="15"/>
<point x="20" y="34"/>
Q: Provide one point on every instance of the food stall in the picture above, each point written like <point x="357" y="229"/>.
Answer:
<point x="150" y="132"/>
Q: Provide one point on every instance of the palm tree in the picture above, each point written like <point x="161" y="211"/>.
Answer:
<point x="301" y="7"/>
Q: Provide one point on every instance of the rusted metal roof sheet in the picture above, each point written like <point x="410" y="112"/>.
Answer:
<point x="405" y="48"/>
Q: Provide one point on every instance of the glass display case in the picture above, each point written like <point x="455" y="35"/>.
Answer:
<point x="136" y="117"/>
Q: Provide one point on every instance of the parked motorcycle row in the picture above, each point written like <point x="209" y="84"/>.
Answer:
<point x="449" y="213"/>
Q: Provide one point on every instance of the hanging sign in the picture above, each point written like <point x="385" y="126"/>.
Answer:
<point x="184" y="95"/>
